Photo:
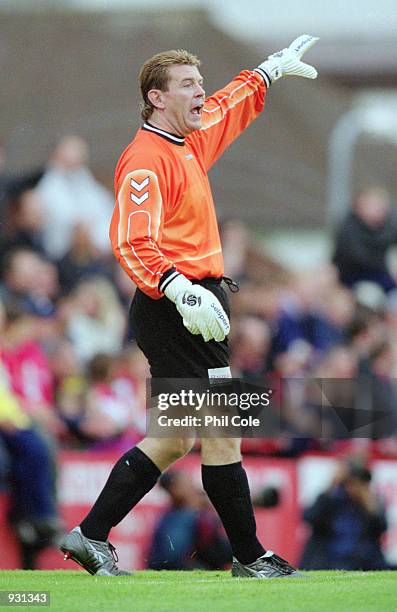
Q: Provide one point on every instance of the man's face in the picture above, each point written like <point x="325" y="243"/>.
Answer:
<point x="180" y="107"/>
<point x="373" y="208"/>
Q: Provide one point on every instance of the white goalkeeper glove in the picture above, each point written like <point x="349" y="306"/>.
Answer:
<point x="287" y="62"/>
<point x="200" y="310"/>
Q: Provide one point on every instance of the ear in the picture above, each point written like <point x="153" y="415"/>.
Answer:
<point x="156" y="98"/>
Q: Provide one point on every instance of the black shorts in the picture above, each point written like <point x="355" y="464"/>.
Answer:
<point x="171" y="350"/>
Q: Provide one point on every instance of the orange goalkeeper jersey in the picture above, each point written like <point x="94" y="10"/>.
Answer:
<point x="164" y="215"/>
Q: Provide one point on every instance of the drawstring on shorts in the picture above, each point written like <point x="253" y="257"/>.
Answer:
<point x="232" y="285"/>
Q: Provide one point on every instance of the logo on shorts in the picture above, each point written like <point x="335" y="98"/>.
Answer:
<point x="191" y="300"/>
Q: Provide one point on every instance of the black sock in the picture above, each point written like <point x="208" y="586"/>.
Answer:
<point x="228" y="489"/>
<point x="131" y="478"/>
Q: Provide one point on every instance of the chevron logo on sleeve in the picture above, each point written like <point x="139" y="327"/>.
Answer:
<point x="139" y="186"/>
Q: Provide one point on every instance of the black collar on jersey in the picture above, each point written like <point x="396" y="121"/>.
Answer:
<point x="178" y="140"/>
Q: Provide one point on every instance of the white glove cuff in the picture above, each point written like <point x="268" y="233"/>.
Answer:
<point x="174" y="284"/>
<point x="260" y="70"/>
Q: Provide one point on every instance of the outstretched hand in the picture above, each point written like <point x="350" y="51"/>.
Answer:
<point x="287" y="61"/>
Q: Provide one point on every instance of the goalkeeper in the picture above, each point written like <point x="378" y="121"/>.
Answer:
<point x="164" y="234"/>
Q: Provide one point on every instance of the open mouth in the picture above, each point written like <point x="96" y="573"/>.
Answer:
<point x="196" y="110"/>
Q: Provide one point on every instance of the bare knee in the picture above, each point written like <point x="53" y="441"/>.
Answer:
<point x="181" y="446"/>
<point x="220" y="451"/>
<point x="164" y="451"/>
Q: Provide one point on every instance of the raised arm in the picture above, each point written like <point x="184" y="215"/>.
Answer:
<point x="228" y="112"/>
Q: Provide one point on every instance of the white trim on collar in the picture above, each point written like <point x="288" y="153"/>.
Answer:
<point x="151" y="128"/>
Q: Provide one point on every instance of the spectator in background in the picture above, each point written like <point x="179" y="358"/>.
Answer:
<point x="301" y="315"/>
<point x="106" y="408"/>
<point x="364" y="238"/>
<point x="372" y="341"/>
<point x="94" y="319"/>
<point x="31" y="279"/>
<point x="130" y="382"/>
<point x="11" y="186"/>
<point x="70" y="389"/>
<point x="332" y="396"/>
<point x="107" y="416"/>
<point x="347" y="523"/>
<point x="24" y="223"/>
<point x="33" y="511"/>
<point x="188" y="535"/>
<point x="83" y="260"/>
<point x="250" y="344"/>
<point x="327" y="325"/>
<point x="366" y="330"/>
<point x="290" y="376"/>
<point x="381" y="393"/>
<point x="71" y="194"/>
<point x="28" y="368"/>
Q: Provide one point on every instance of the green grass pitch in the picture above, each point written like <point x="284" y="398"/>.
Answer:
<point x="208" y="591"/>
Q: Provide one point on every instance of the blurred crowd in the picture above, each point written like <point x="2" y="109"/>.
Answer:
<point x="71" y="374"/>
<point x="347" y="522"/>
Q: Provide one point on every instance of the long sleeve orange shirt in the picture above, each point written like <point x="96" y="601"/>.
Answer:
<point x="164" y="214"/>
